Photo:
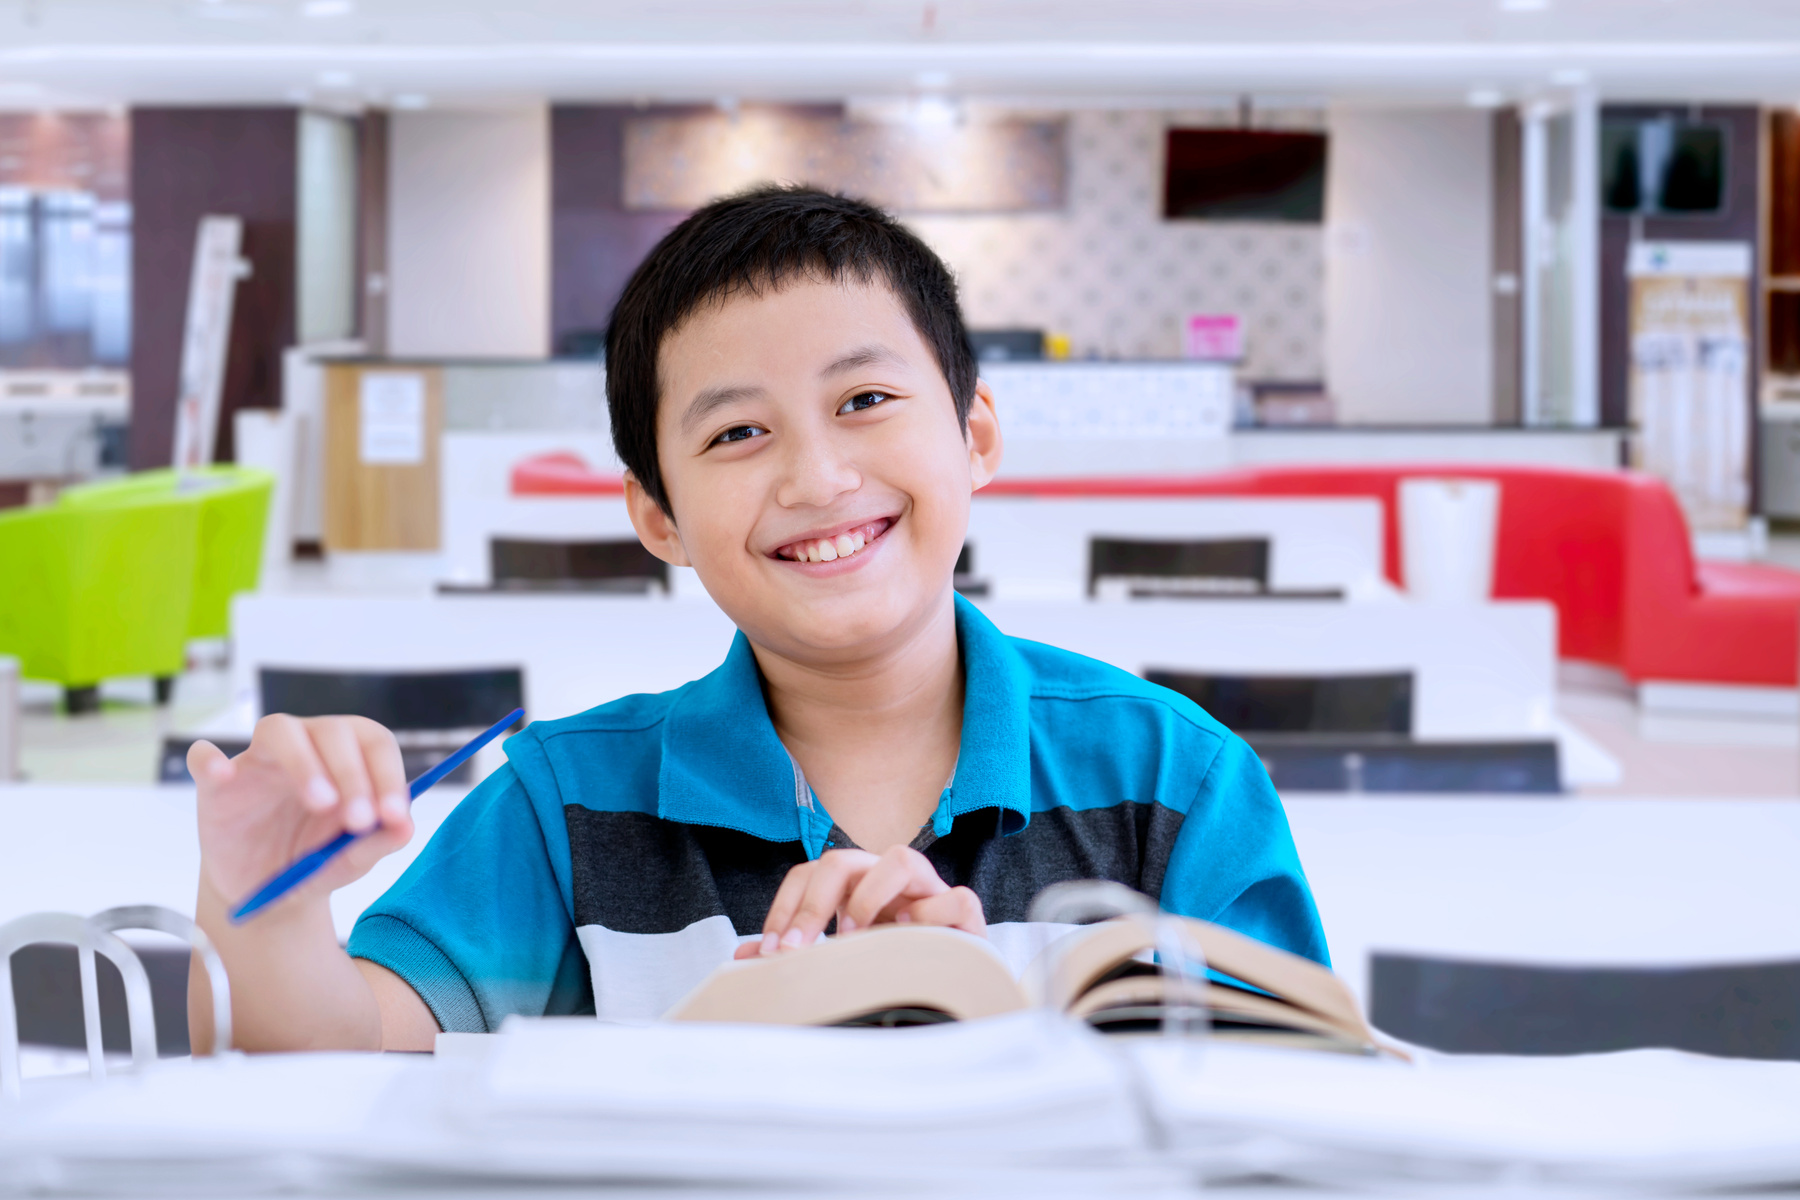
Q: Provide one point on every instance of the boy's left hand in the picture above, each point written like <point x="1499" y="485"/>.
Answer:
<point x="862" y="889"/>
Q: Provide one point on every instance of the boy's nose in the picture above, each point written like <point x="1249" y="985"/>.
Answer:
<point x="816" y="472"/>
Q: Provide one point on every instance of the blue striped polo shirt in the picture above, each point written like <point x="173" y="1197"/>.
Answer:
<point x="620" y="855"/>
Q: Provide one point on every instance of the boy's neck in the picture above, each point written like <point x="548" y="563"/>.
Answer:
<point x="878" y="736"/>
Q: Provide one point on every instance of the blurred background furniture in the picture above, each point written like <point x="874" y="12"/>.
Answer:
<point x="431" y="713"/>
<point x="1354" y="733"/>
<point x="1611" y="550"/>
<point x="130" y="571"/>
<point x="1736" y="1010"/>
<point x="1213" y="566"/>
<point x="234" y="514"/>
<point x="112" y="592"/>
<point x="607" y="565"/>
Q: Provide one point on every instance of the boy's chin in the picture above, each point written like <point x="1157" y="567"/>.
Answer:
<point x="837" y="628"/>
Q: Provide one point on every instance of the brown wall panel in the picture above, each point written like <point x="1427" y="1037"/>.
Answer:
<point x="187" y="163"/>
<point x="595" y="243"/>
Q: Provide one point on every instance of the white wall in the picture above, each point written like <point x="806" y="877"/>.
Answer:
<point x="1408" y="301"/>
<point x="469" y="234"/>
<point x="325" y="232"/>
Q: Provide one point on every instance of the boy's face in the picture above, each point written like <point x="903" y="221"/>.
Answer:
<point x="819" y="479"/>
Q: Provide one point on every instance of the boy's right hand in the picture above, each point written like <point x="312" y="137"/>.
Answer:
<point x="301" y="782"/>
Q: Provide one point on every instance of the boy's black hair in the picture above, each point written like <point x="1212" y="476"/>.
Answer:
<point x="765" y="238"/>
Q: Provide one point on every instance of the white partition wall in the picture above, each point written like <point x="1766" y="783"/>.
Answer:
<point x="1036" y="547"/>
<point x="479" y="504"/>
<point x="469" y="234"/>
<point x="577" y="650"/>
<point x="1480" y="671"/>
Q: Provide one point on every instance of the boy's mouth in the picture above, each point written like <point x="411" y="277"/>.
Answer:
<point x="845" y="544"/>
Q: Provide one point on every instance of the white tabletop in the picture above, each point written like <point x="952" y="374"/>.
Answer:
<point x="1538" y="880"/>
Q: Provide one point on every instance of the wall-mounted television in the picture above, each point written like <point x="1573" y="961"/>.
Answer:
<point x="1244" y="175"/>
<point x="1662" y="166"/>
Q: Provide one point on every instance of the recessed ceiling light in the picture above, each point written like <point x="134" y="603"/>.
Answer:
<point x="411" y="100"/>
<point x="327" y="8"/>
<point x="932" y="81"/>
<point x="334" y="79"/>
<point x="1524" y="5"/>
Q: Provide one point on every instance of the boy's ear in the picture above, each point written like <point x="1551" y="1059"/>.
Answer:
<point x="655" y="528"/>
<point x="984" y="437"/>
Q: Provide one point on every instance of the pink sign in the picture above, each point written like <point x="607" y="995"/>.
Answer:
<point x="1215" y="336"/>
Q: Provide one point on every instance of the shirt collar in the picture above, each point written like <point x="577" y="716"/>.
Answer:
<point x="722" y="763"/>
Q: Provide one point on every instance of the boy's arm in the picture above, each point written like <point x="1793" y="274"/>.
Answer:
<point x="300" y="783"/>
<point x="1234" y="861"/>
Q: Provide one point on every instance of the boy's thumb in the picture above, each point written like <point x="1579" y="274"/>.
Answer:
<point x="206" y="761"/>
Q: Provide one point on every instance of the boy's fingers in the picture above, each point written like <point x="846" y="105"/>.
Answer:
<point x="832" y="876"/>
<point x="342" y="753"/>
<point x="387" y="773"/>
<point x="958" y="908"/>
<point x="207" y="763"/>
<point x="781" y="911"/>
<point x="900" y="874"/>
<point x="285" y="741"/>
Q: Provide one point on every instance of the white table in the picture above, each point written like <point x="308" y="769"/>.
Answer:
<point x="84" y="849"/>
<point x="1036" y="547"/>
<point x="1569" y="882"/>
<point x="1557" y="881"/>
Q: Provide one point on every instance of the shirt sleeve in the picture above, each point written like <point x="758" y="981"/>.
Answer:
<point x="478" y="925"/>
<point x="1234" y="861"/>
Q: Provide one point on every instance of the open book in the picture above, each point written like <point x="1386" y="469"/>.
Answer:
<point x="1104" y="974"/>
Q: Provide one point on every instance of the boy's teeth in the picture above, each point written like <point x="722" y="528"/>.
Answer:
<point x="830" y="549"/>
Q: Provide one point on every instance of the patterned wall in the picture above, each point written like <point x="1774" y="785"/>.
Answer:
<point x="1121" y="281"/>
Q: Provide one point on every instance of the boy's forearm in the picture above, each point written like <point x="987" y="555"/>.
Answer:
<point x="292" y="986"/>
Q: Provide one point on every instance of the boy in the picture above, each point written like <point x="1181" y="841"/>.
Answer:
<point x="793" y="394"/>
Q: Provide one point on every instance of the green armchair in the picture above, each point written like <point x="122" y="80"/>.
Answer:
<point x="115" y="578"/>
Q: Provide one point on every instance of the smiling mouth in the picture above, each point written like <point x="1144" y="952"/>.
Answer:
<point x="842" y="545"/>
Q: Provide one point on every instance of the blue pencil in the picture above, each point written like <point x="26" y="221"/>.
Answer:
<point x="308" y="865"/>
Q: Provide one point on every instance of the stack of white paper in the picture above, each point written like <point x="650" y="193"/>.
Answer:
<point x="1641" y="1118"/>
<point x="985" y="1103"/>
<point x="1020" y="1090"/>
<point x="577" y="1100"/>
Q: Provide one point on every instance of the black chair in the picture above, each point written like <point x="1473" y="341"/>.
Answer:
<point x="1326" y="704"/>
<point x="1007" y="345"/>
<point x="1747" y="1010"/>
<point x="1353" y="733"/>
<point x="432" y="713"/>
<point x="171" y="764"/>
<point x="1364" y="764"/>
<point x="607" y="565"/>
<point x="1222" y="566"/>
<point x="964" y="578"/>
<point x="47" y="994"/>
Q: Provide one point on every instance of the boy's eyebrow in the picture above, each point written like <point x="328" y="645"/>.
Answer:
<point x="862" y="356"/>
<point x="713" y="398"/>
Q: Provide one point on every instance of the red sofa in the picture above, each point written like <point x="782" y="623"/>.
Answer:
<point x="1609" y="548"/>
<point x="562" y="473"/>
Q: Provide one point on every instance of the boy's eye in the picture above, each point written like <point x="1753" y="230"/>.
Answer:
<point x="737" y="433"/>
<point x="862" y="401"/>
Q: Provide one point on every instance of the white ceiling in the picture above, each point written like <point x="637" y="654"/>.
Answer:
<point x="453" y="52"/>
